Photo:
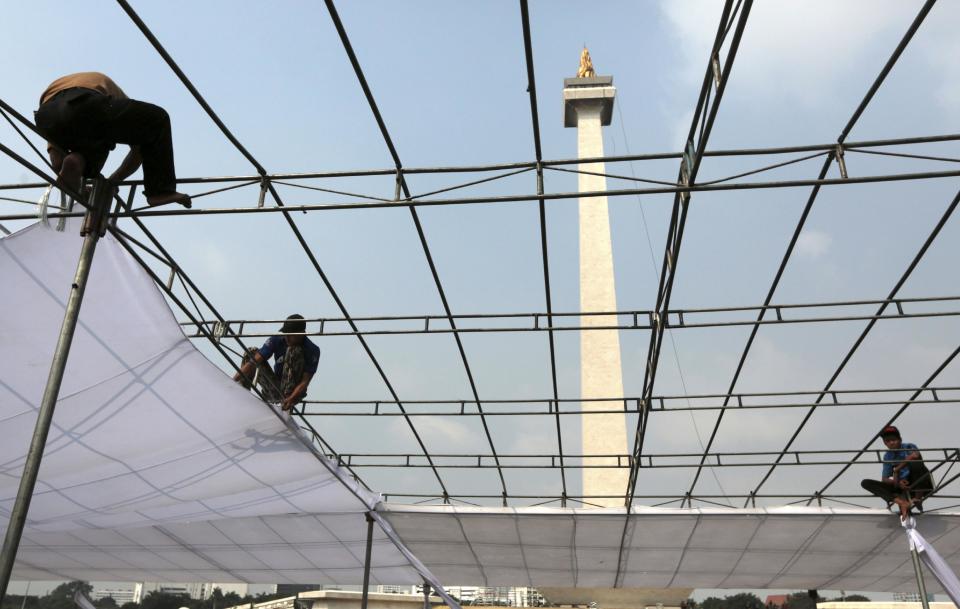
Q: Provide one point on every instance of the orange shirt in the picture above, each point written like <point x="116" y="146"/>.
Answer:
<point x="86" y="80"/>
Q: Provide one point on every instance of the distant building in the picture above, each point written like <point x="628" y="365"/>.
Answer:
<point x="194" y="590"/>
<point x="343" y="599"/>
<point x="529" y="597"/>
<point x="495" y="596"/>
<point x="120" y="595"/>
<point x="198" y="590"/>
<point x="238" y="589"/>
<point x="910" y="597"/>
<point x="294" y="589"/>
<point x="399" y="589"/>
<point x="881" y="605"/>
<point x="776" y="600"/>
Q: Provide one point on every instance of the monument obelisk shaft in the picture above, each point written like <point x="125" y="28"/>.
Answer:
<point x="588" y="106"/>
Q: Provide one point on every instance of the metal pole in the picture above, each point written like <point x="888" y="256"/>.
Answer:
<point x="426" y="595"/>
<point x="18" y="516"/>
<point x="919" y="572"/>
<point x="23" y="604"/>
<point x="366" y="564"/>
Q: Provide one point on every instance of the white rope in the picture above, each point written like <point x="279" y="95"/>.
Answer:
<point x="932" y="559"/>
<point x="42" y="206"/>
<point x="62" y="222"/>
<point x="81" y="600"/>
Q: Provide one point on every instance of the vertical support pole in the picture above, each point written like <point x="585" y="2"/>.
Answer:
<point x="842" y="164"/>
<point x="23" y="603"/>
<point x="921" y="587"/>
<point x="366" y="564"/>
<point x="100" y="198"/>
<point x="264" y="184"/>
<point x="426" y="595"/>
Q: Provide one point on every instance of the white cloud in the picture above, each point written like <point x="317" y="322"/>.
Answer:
<point x="813" y="243"/>
<point x="213" y="259"/>
<point x="439" y="429"/>
<point x="528" y="437"/>
<point x="798" y="50"/>
<point x="681" y="128"/>
<point x="940" y="47"/>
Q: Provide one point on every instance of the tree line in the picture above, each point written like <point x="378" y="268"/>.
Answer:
<point x="746" y="600"/>
<point x="61" y="597"/>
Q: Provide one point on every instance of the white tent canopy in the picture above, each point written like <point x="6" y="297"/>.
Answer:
<point x="157" y="465"/>
<point x="159" y="468"/>
<point x="788" y="547"/>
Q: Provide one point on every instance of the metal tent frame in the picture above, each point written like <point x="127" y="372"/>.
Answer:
<point x="220" y="332"/>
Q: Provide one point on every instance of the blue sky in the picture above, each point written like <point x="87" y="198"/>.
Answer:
<point x="450" y="81"/>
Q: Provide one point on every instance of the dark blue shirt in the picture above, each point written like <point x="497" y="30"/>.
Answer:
<point x="277" y="347"/>
<point x="892" y="457"/>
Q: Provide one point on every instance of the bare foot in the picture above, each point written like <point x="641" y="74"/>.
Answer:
<point x="904" y="507"/>
<point x="169" y="197"/>
<point x="70" y="176"/>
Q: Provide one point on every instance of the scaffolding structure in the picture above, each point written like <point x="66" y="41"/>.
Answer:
<point x="202" y="321"/>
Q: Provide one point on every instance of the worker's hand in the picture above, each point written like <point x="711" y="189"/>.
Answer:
<point x="288" y="403"/>
<point x="904" y="484"/>
<point x="243" y="381"/>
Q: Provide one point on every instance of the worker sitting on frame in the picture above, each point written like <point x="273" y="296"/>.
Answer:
<point x="906" y="481"/>
<point x="295" y="358"/>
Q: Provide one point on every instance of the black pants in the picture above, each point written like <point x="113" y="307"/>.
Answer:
<point x="92" y="124"/>
<point x="920" y="484"/>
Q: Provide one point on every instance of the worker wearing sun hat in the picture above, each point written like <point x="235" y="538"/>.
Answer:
<point x="295" y="358"/>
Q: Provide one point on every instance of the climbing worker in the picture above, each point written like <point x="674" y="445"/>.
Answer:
<point x="295" y="358"/>
<point x="85" y="115"/>
<point x="905" y="479"/>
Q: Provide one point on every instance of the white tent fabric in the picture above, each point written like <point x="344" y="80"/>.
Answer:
<point x="792" y="548"/>
<point x="933" y="561"/>
<point x="157" y="466"/>
<point x="316" y="548"/>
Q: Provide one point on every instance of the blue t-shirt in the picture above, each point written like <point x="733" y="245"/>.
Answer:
<point x="277" y="347"/>
<point x="893" y="457"/>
